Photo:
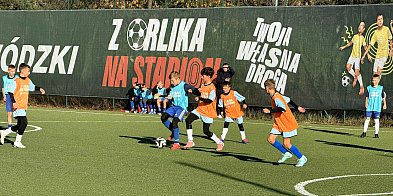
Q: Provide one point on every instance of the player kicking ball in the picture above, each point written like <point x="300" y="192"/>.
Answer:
<point x="284" y="124"/>
<point x="374" y="98"/>
<point x="229" y="100"/>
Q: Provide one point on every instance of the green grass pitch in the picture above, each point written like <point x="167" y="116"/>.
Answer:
<point x="81" y="152"/>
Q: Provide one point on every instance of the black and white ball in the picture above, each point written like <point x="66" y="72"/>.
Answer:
<point x="160" y="142"/>
<point x="345" y="81"/>
<point x="136" y="34"/>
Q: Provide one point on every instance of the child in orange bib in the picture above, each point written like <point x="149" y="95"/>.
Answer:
<point x="284" y="124"/>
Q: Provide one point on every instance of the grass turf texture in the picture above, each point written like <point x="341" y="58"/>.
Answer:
<point x="112" y="153"/>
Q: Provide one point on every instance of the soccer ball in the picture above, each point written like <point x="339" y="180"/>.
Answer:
<point x="136" y="34"/>
<point x="345" y="81"/>
<point x="160" y="142"/>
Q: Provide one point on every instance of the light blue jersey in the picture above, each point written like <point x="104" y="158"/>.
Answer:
<point x="9" y="84"/>
<point x="161" y="91"/>
<point x="375" y="95"/>
<point x="179" y="95"/>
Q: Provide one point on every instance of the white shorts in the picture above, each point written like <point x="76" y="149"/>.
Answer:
<point x="380" y="62"/>
<point x="284" y="134"/>
<point x="231" y="120"/>
<point x="354" y="61"/>
<point x="203" y="118"/>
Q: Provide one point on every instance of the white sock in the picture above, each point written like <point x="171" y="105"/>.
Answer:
<point x="352" y="72"/>
<point x="189" y="135"/>
<point x="366" y="125"/>
<point x="224" y="133"/>
<point x="6" y="132"/>
<point x="18" y="138"/>
<point x="243" y="135"/>
<point x="360" y="80"/>
<point x="215" y="138"/>
<point x="376" y="125"/>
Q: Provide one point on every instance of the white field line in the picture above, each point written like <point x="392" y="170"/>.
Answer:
<point x="300" y="187"/>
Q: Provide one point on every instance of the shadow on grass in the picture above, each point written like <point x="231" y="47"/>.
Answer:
<point x="240" y="156"/>
<point x="332" y="132"/>
<point x="271" y="189"/>
<point x="354" y="146"/>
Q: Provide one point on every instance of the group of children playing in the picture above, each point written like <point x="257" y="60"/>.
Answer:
<point x="232" y="104"/>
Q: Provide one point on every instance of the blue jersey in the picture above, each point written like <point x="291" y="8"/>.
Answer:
<point x="9" y="84"/>
<point x="375" y="95"/>
<point x="137" y="92"/>
<point x="179" y="95"/>
<point x="161" y="91"/>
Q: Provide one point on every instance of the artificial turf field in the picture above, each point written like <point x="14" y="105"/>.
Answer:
<point x="81" y="152"/>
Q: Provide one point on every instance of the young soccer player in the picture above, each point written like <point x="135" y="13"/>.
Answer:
<point x="19" y="96"/>
<point x="9" y="83"/>
<point x="229" y="101"/>
<point x="374" y="97"/>
<point x="206" y="110"/>
<point x="160" y="97"/>
<point x="357" y="41"/>
<point x="383" y="37"/>
<point x="179" y="97"/>
<point x="284" y="124"/>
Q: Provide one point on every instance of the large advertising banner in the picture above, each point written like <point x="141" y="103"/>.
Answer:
<point x="313" y="53"/>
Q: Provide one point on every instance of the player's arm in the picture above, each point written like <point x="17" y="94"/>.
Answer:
<point x="366" y="102"/>
<point x="2" y="90"/>
<point x="391" y="48"/>
<point x="191" y="89"/>
<point x="280" y="107"/>
<point x="346" y="45"/>
<point x="241" y="99"/>
<point x="210" y="99"/>
<point x="384" y="100"/>
<point x="33" y="87"/>
<point x="293" y="104"/>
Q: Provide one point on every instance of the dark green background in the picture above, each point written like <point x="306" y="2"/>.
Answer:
<point x="316" y="35"/>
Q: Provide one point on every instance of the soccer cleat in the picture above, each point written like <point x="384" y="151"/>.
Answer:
<point x="245" y="141"/>
<point x="363" y="135"/>
<point x="176" y="146"/>
<point x="220" y="147"/>
<point x="285" y="156"/>
<point x="189" y="145"/>
<point x="19" y="145"/>
<point x="219" y="116"/>
<point x="376" y="136"/>
<point x="301" y="161"/>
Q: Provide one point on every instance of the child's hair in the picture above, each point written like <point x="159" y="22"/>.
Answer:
<point x="11" y="66"/>
<point x="174" y="75"/>
<point x="375" y="76"/>
<point x="207" y="71"/>
<point x="23" y="66"/>
<point x="270" y="83"/>
<point x="226" y="83"/>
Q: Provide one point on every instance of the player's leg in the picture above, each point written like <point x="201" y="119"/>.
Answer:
<point x="292" y="148"/>
<point x="358" y="76"/>
<point x="159" y="105"/>
<point x="242" y="131"/>
<point x="164" y="105"/>
<point x="377" y="116"/>
<point x="272" y="140"/>
<point x="366" y="123"/>
<point x="21" y="129"/>
<point x="14" y="128"/>
<point x="349" y="66"/>
<point x="176" y="134"/>
<point x="165" y="120"/>
<point x="189" y="120"/>
<point x="151" y="106"/>
<point x="8" y="107"/>
<point x="227" y="121"/>
<point x="208" y="133"/>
